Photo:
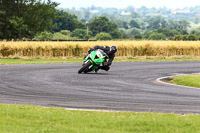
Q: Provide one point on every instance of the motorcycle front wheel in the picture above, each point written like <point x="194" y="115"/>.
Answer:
<point x="84" y="67"/>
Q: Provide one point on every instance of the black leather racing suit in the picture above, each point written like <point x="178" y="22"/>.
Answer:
<point x="111" y="56"/>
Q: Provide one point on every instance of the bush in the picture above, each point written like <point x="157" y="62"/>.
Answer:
<point x="65" y="32"/>
<point x="185" y="37"/>
<point x="43" y="36"/>
<point x="178" y="37"/>
<point x="60" y="36"/>
<point x="86" y="37"/>
<point x="133" y="31"/>
<point x="123" y="33"/>
<point x="138" y="37"/>
<point x="157" y="36"/>
<point x="115" y="34"/>
<point x="103" y="36"/>
<point x="193" y="38"/>
<point x="81" y="33"/>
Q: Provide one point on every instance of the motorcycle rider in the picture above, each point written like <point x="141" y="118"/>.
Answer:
<point x="110" y="51"/>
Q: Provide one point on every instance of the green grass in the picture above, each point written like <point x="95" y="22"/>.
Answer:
<point x="187" y="80"/>
<point x="37" y="61"/>
<point x="157" y="59"/>
<point x="35" y="119"/>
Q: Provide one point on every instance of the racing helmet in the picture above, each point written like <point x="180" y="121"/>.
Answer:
<point x="113" y="49"/>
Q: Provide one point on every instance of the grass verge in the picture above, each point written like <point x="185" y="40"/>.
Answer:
<point x="74" y="60"/>
<point x="37" y="61"/>
<point x="33" y="119"/>
<point x="187" y="80"/>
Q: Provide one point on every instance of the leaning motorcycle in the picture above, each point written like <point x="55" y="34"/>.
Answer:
<point x="93" y="61"/>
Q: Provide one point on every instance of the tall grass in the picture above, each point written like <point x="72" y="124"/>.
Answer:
<point x="125" y="48"/>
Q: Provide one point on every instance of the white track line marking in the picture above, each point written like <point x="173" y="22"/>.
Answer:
<point x="176" y="75"/>
<point x="96" y="110"/>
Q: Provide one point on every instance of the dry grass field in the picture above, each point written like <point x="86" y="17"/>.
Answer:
<point x="126" y="49"/>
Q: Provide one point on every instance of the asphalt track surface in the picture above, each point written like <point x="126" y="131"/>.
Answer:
<point x="126" y="87"/>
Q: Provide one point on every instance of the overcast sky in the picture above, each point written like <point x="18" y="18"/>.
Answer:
<point x="125" y="3"/>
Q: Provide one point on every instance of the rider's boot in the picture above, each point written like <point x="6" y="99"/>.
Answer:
<point x="106" y="68"/>
<point x="97" y="69"/>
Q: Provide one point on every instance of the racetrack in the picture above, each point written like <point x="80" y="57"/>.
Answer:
<point x="126" y="87"/>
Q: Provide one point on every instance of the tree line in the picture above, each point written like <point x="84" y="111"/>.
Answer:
<point x="120" y="15"/>
<point x="41" y="20"/>
<point x="25" y="18"/>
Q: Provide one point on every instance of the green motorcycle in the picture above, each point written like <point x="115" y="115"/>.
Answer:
<point x="93" y="61"/>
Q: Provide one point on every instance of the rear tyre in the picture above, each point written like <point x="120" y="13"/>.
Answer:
<point x="85" y="67"/>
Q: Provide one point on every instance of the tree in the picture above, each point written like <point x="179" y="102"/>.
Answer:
<point x="157" y="23"/>
<point x="115" y="34"/>
<point x="193" y="38"/>
<point x="103" y="36"/>
<point x="185" y="37"/>
<point x="184" y="24"/>
<point x="123" y="33"/>
<point x="44" y="36"/>
<point x="178" y="37"/>
<point x="197" y="20"/>
<point x="7" y="11"/>
<point x="125" y="25"/>
<point x="34" y="16"/>
<point x="167" y="32"/>
<point x="157" y="36"/>
<point x="135" y="15"/>
<point x="102" y="24"/>
<point x="38" y="15"/>
<point x="134" y="24"/>
<point x="138" y="37"/>
<point x="121" y="23"/>
<point x="17" y="28"/>
<point x="171" y="24"/>
<point x="66" y="21"/>
<point x="81" y="33"/>
<point x="98" y="25"/>
<point x="133" y="31"/>
<point x="65" y="32"/>
<point x="196" y="31"/>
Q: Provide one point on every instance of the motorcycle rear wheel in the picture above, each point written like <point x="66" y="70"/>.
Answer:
<point x="85" y="67"/>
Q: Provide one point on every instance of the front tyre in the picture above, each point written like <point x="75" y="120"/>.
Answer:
<point x="85" y="67"/>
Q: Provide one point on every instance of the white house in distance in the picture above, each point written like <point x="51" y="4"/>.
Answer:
<point x="94" y="11"/>
<point x="180" y="11"/>
<point x="125" y="13"/>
